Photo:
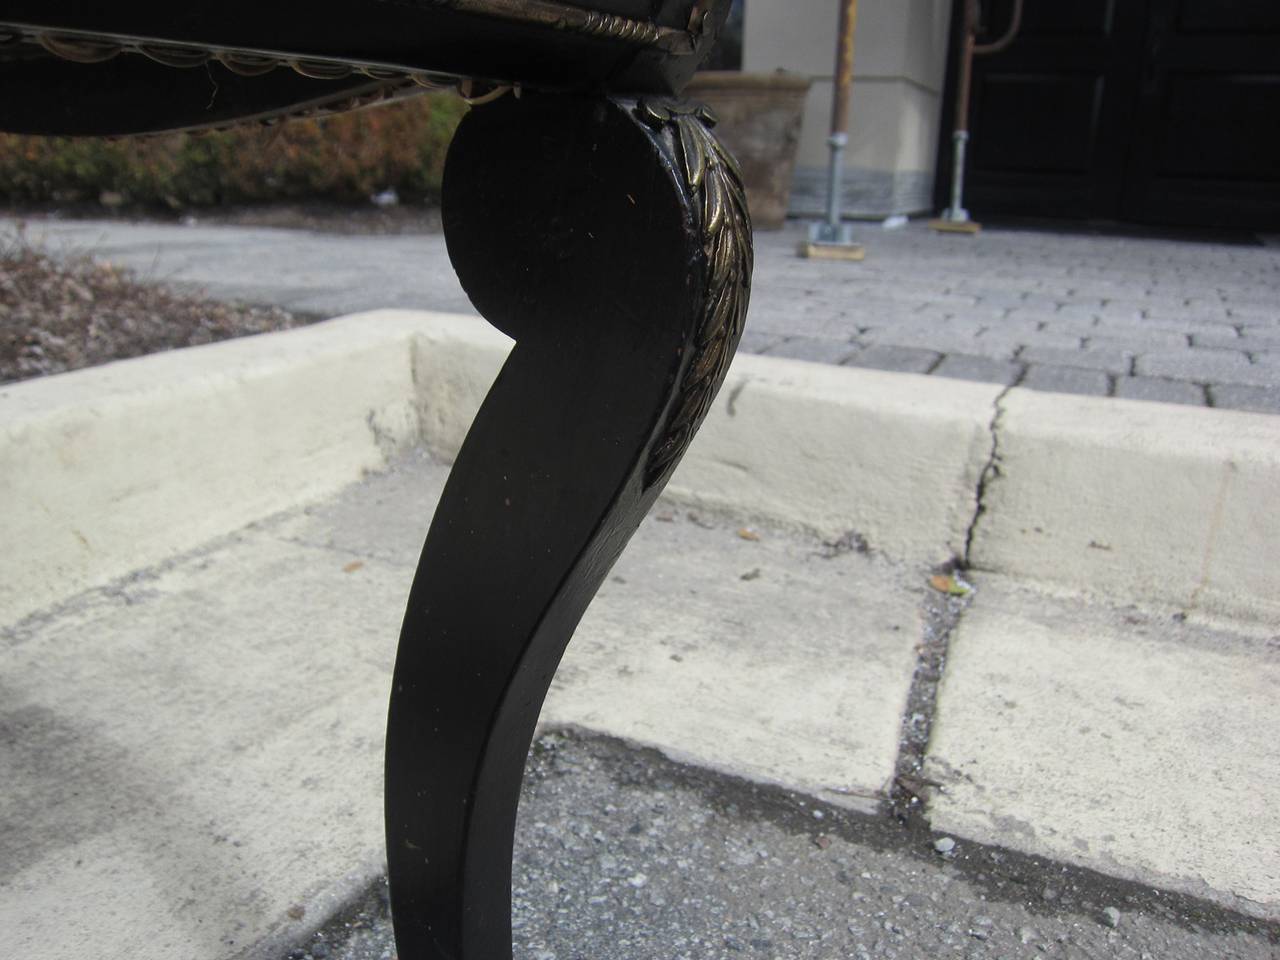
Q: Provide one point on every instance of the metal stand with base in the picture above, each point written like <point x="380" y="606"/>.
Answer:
<point x="955" y="219"/>
<point x="833" y="239"/>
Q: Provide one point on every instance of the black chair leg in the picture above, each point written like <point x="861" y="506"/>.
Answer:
<point x="611" y="239"/>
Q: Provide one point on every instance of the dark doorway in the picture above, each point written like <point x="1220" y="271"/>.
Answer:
<point x="1152" y="111"/>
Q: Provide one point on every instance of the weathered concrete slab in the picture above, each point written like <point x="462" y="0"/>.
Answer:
<point x="116" y="467"/>
<point x="769" y="657"/>
<point x="893" y="456"/>
<point x="195" y="751"/>
<point x="1147" y="502"/>
<point x="763" y="658"/>
<point x="192" y="754"/>
<point x="1143" y="747"/>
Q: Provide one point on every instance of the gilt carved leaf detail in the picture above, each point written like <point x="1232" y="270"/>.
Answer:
<point x="715" y="186"/>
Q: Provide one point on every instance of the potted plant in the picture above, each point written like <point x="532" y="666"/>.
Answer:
<point x="760" y="116"/>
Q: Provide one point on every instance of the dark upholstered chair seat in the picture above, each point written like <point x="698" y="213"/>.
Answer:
<point x="101" y="69"/>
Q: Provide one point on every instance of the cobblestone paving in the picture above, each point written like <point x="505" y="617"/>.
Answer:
<point x="1145" y="319"/>
<point x="1173" y="321"/>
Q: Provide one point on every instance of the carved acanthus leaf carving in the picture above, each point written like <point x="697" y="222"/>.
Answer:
<point x="715" y="182"/>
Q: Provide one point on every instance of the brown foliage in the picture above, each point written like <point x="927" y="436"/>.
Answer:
<point x="59" y="315"/>
<point x="346" y="157"/>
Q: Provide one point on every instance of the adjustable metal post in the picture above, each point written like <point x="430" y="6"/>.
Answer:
<point x="833" y="238"/>
<point x="955" y="219"/>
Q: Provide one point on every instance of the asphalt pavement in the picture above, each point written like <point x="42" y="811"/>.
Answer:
<point x="622" y="854"/>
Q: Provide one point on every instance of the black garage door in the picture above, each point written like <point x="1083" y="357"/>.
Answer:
<point x="1155" y="111"/>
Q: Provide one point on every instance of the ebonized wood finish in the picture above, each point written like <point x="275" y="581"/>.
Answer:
<point x="611" y="240"/>
<point x="589" y="216"/>
<point x="628" y="46"/>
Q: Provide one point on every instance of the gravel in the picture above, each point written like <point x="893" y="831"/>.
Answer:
<point x="622" y="853"/>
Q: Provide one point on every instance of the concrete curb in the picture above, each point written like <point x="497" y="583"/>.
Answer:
<point x="110" y="469"/>
<point x="1113" y="739"/>
<point x="1138" y="502"/>
<point x="1144" y="502"/>
<point x="106" y="470"/>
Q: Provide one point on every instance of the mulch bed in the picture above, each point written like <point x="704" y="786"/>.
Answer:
<point x="60" y="314"/>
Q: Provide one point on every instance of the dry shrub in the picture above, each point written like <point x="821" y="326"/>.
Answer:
<point x="59" y="314"/>
<point x="346" y="157"/>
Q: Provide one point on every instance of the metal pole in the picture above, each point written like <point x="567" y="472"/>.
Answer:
<point x="837" y="143"/>
<point x="956" y="213"/>
<point x="840" y="108"/>
<point x="834" y="230"/>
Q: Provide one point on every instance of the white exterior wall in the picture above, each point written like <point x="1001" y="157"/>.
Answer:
<point x="899" y="63"/>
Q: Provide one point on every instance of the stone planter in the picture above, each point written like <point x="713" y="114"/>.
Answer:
<point x="760" y="115"/>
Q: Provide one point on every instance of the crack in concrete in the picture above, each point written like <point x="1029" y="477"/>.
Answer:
<point x="941" y="614"/>
<point x="907" y="793"/>
<point x="990" y="471"/>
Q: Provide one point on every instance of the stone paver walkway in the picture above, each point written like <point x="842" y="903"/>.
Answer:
<point x="1160" y="320"/>
<point x="1174" y="321"/>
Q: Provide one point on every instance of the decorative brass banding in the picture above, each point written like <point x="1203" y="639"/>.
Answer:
<point x="78" y="49"/>
<point x="247" y="64"/>
<point x="380" y="73"/>
<point x="620" y="28"/>
<point x="92" y="47"/>
<point x="95" y="48"/>
<point x="712" y="176"/>
<point x="561" y="16"/>
<point x="321" y="69"/>
<point x="171" y="56"/>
